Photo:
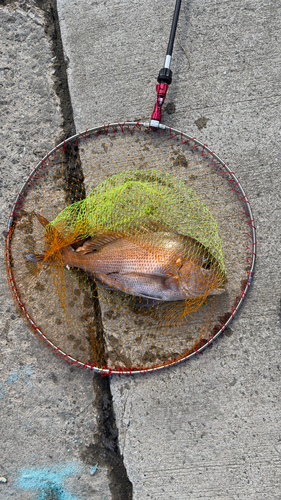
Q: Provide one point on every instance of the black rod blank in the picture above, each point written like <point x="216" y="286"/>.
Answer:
<point x="174" y="28"/>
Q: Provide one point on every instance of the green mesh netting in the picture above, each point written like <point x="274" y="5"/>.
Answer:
<point x="122" y="203"/>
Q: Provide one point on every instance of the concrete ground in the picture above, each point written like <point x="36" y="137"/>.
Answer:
<point x="209" y="428"/>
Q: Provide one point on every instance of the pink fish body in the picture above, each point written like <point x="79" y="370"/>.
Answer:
<point x="163" y="266"/>
<point x="161" y="275"/>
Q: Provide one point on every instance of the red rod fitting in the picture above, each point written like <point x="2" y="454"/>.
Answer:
<point x="161" y="90"/>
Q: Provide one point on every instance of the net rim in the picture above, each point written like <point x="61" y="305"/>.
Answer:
<point x="20" y="199"/>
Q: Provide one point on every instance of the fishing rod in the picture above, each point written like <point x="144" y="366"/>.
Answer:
<point x="165" y="74"/>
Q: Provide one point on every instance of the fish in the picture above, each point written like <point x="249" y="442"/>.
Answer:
<point x="155" y="263"/>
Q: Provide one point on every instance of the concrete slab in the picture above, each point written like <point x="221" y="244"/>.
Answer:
<point x="49" y="411"/>
<point x="209" y="428"/>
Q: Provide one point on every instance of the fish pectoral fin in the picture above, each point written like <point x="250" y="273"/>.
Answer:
<point x="96" y="242"/>
<point x="164" y="280"/>
<point x="156" y="287"/>
<point x="125" y="283"/>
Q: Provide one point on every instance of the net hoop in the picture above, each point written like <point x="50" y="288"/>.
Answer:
<point x="131" y="126"/>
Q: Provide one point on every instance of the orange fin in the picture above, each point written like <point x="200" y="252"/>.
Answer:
<point x="42" y="220"/>
<point x="35" y="258"/>
<point x="95" y="242"/>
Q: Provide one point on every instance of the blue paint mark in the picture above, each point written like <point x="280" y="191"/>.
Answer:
<point x="24" y="373"/>
<point x="47" y="483"/>
<point x="12" y="378"/>
<point x="94" y="470"/>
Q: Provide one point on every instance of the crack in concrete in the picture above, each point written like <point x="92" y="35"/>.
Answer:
<point x="53" y="34"/>
<point x="126" y="424"/>
<point x="106" y="450"/>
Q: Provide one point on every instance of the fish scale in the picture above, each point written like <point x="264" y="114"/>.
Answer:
<point x="124" y="257"/>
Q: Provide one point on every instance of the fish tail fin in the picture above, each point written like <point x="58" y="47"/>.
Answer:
<point x="42" y="220"/>
<point x="37" y="258"/>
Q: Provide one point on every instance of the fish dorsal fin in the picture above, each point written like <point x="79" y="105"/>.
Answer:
<point x="96" y="242"/>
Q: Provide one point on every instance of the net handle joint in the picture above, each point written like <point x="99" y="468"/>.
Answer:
<point x="161" y="90"/>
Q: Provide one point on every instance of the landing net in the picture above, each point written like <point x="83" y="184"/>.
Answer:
<point x="131" y="183"/>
